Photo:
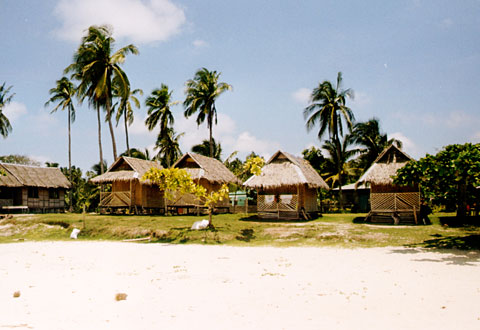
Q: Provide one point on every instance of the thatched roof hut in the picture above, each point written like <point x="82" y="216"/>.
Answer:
<point x="207" y="172"/>
<point x="126" y="169"/>
<point x="385" y="167"/>
<point x="39" y="189"/>
<point x="128" y="190"/>
<point x="287" y="187"/>
<point x="32" y="176"/>
<point x="388" y="201"/>
<point x="285" y="170"/>
<point x="206" y="169"/>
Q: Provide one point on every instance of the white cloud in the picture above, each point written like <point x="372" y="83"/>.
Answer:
<point x="476" y="137"/>
<point x="447" y="23"/>
<point x="138" y="127"/>
<point x="199" y="43"/>
<point x="14" y="110"/>
<point x="41" y="159"/>
<point x="138" y="21"/>
<point x="408" y="145"/>
<point x="360" y="100"/>
<point x="302" y="95"/>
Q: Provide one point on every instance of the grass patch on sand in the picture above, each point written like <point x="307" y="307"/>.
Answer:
<point x="336" y="230"/>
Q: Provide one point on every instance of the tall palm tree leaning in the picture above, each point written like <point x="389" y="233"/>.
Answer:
<point x="328" y="109"/>
<point x="63" y="94"/>
<point x="5" y="127"/>
<point x="94" y="66"/>
<point x="159" y="112"/>
<point x="201" y="93"/>
<point x="125" y="109"/>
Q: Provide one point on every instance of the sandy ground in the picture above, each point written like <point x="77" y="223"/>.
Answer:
<point x="73" y="285"/>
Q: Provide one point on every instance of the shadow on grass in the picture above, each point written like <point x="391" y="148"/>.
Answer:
<point x="255" y="218"/>
<point x="458" y="250"/>
<point x="246" y="235"/>
<point x="460" y="222"/>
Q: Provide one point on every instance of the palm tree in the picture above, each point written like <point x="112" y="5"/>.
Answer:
<point x="136" y="153"/>
<point x="328" y="109"/>
<point x="367" y="135"/>
<point x="204" y="149"/>
<point x="201" y="93"/>
<point x="125" y="109"/>
<point x="95" y="66"/>
<point x="63" y="94"/>
<point x="168" y="147"/>
<point x="333" y="161"/>
<point x="5" y="127"/>
<point x="159" y="103"/>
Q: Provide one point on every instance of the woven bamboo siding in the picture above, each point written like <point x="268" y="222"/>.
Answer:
<point x="383" y="202"/>
<point x="310" y="204"/>
<point x="44" y="201"/>
<point x="152" y="197"/>
<point x="269" y="203"/>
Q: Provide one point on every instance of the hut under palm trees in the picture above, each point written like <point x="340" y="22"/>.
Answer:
<point x="128" y="192"/>
<point x="207" y="172"/>
<point x="389" y="202"/>
<point x="287" y="188"/>
<point x="32" y="188"/>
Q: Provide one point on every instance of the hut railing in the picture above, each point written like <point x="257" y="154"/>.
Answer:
<point x="268" y="203"/>
<point x="116" y="198"/>
<point x="388" y="202"/>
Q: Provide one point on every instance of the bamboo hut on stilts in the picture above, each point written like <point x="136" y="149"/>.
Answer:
<point x="287" y="188"/>
<point x="391" y="203"/>
<point x="207" y="172"/>
<point x="127" y="191"/>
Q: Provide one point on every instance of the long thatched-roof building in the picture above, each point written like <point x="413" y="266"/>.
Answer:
<point x="287" y="188"/>
<point x="207" y="172"/>
<point x="38" y="189"/>
<point x="127" y="189"/>
<point x="387" y="200"/>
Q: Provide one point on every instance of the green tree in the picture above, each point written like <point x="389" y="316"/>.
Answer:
<point x="328" y="110"/>
<point x="201" y="93"/>
<point x="19" y="159"/>
<point x="204" y="149"/>
<point x="168" y="147"/>
<point x="5" y="98"/>
<point x="159" y="112"/>
<point x="63" y="94"/>
<point x="95" y="65"/>
<point x="125" y="108"/>
<point x="449" y="177"/>
<point x="315" y="157"/>
<point x="372" y="142"/>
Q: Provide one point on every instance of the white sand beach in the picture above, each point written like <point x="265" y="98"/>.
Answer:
<point x="73" y="285"/>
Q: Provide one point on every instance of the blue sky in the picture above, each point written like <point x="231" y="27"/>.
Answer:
<point x="413" y="64"/>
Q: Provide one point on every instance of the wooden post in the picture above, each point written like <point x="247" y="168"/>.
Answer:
<point x="246" y="202"/>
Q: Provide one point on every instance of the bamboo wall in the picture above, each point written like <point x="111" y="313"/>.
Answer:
<point x="137" y="194"/>
<point x="43" y="201"/>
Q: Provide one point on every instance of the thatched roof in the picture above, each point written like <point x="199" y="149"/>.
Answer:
<point x="385" y="166"/>
<point x="286" y="170"/>
<point x="126" y="169"/>
<point x="202" y="167"/>
<point x="32" y="176"/>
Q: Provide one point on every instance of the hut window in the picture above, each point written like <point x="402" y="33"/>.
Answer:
<point x="53" y="194"/>
<point x="32" y="192"/>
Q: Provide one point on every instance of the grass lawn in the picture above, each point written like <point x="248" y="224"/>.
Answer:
<point x="337" y="230"/>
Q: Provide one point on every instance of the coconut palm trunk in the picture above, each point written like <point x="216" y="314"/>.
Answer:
<point x="210" y="126"/>
<point x="339" y="169"/>
<point x="126" y="132"/>
<point x="100" y="139"/>
<point x="70" y="193"/>
<point x="110" y="126"/>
